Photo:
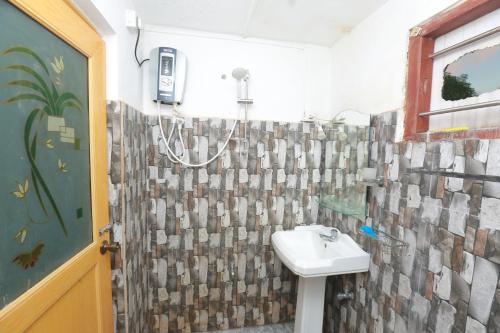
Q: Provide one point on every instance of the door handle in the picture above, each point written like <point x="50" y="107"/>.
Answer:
<point x="106" y="246"/>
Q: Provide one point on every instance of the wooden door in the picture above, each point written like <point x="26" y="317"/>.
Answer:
<point x="61" y="160"/>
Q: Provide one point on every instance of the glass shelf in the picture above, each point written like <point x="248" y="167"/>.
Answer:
<point x="350" y="202"/>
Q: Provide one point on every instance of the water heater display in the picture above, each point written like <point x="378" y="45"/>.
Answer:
<point x="166" y="79"/>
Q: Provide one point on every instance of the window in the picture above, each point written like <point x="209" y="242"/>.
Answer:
<point x="473" y="74"/>
<point x="454" y="64"/>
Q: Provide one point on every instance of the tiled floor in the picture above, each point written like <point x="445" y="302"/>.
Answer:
<point x="277" y="328"/>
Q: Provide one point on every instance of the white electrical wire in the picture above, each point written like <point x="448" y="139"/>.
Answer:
<point x="172" y="156"/>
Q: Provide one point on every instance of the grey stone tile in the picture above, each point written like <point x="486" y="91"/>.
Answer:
<point x="490" y="211"/>
<point x="445" y="317"/>
<point x="459" y="208"/>
<point x="418" y="155"/>
<point x="493" y="164"/>
<point x="446" y="154"/>
<point x="442" y="283"/>
<point x="473" y="326"/>
<point x="483" y="289"/>
<point x="431" y="210"/>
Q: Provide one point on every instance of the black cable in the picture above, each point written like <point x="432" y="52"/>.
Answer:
<point x="135" y="49"/>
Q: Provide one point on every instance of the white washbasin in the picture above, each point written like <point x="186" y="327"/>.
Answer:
<point x="306" y="254"/>
<point x="313" y="258"/>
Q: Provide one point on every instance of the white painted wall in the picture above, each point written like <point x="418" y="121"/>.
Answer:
<point x="364" y="71"/>
<point x="369" y="64"/>
<point x="287" y="80"/>
<point x="123" y="76"/>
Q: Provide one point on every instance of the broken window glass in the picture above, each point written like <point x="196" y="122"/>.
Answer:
<point x="472" y="74"/>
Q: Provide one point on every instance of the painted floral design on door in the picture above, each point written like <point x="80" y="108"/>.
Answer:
<point x="51" y="105"/>
<point x="45" y="204"/>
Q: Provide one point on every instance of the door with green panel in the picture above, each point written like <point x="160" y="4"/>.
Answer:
<point x="45" y="200"/>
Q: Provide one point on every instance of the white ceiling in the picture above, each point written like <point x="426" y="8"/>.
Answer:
<point x="319" y="22"/>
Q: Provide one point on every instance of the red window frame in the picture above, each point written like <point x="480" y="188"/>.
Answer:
<point x="421" y="46"/>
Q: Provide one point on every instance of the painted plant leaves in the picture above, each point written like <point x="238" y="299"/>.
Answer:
<point x="58" y="65"/>
<point x="58" y="68"/>
<point x="21" y="235"/>
<point x="37" y="86"/>
<point x="49" y="144"/>
<point x="42" y="90"/>
<point x="21" y="190"/>
<point x="30" y="258"/>
<point x="61" y="166"/>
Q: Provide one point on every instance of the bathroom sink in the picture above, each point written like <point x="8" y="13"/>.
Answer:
<point x="306" y="254"/>
<point x="313" y="257"/>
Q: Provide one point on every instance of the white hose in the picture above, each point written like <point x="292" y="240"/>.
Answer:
<point x="174" y="158"/>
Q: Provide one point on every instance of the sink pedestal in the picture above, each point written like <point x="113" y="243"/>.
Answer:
<point x="310" y="301"/>
<point x="313" y="258"/>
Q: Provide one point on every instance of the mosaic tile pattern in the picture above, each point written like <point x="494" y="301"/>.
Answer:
<point x="129" y="221"/>
<point x="213" y="266"/>
<point x="448" y="279"/>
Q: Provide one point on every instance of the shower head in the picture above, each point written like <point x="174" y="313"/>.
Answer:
<point x="240" y="73"/>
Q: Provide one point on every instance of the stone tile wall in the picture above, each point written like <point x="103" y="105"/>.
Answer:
<point x="213" y="266"/>
<point x="129" y="268"/>
<point x="448" y="278"/>
<point x="209" y="229"/>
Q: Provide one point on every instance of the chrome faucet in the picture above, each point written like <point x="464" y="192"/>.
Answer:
<point x="332" y="237"/>
<point x="345" y="295"/>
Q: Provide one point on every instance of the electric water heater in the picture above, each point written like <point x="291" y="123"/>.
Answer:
<point x="167" y="74"/>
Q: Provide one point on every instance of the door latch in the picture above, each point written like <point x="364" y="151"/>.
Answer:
<point x="106" y="246"/>
<point x="105" y="228"/>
